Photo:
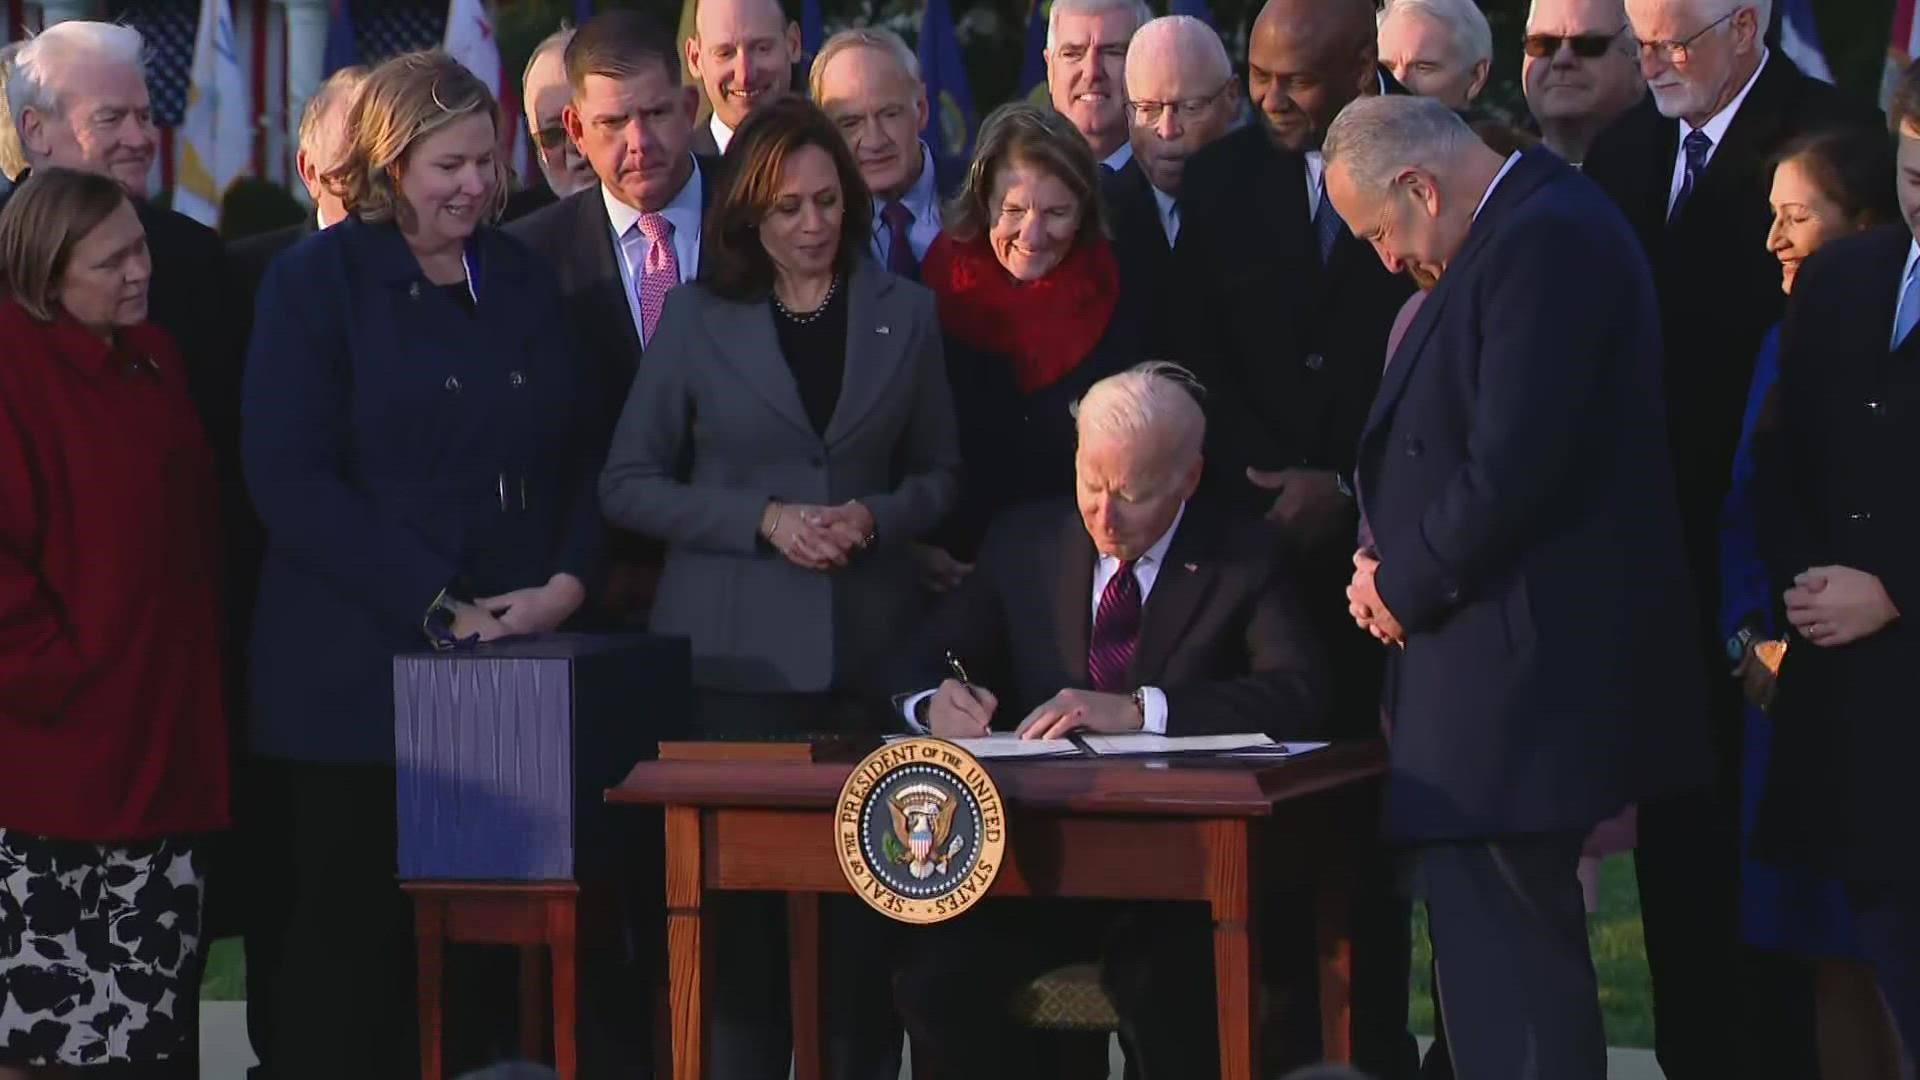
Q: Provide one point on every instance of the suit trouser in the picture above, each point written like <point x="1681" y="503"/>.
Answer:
<point x="1512" y="967"/>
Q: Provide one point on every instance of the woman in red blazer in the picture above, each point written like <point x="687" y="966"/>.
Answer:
<point x="114" y="759"/>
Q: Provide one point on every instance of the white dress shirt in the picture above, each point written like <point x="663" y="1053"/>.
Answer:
<point x="1913" y="258"/>
<point x="683" y="211"/>
<point x="1146" y="571"/>
<point x="1317" y="163"/>
<point x="722" y="134"/>
<point x="1169" y="214"/>
<point x="1119" y="158"/>
<point x="923" y="201"/>
<point x="1512" y="160"/>
<point x="1715" y="129"/>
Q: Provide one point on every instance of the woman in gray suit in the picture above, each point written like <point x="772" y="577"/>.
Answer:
<point x="788" y="436"/>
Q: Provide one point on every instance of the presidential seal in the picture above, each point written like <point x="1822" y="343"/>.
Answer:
<point x="920" y="830"/>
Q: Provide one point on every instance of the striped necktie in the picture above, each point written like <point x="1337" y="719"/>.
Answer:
<point x="1116" y="630"/>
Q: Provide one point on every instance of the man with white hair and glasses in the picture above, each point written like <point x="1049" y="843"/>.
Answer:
<point x="1691" y="167"/>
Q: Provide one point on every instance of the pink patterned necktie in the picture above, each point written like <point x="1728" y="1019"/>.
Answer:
<point x="659" y="274"/>
<point x="1116" y="630"/>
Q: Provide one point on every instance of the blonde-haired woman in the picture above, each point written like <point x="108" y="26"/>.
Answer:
<point x="414" y="441"/>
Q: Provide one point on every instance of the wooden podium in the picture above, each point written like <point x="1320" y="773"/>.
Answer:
<point x="1077" y="828"/>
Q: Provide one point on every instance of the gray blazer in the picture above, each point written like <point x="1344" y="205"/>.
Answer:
<point x="714" y="428"/>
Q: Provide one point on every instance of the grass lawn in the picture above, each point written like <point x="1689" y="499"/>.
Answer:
<point x="1626" y="994"/>
<point x="1619" y="956"/>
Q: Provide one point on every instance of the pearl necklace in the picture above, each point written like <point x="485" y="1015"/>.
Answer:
<point x="802" y="319"/>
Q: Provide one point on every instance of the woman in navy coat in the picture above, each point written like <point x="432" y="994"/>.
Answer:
<point x="414" y="414"/>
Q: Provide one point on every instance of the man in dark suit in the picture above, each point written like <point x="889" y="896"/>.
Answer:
<point x="1527" y="572"/>
<point x="868" y="82"/>
<point x="1086" y="59"/>
<point x="1691" y="167"/>
<point x="744" y="53"/>
<point x="1179" y="88"/>
<point x="1150" y="612"/>
<point x="635" y="233"/>
<point x="322" y="144"/>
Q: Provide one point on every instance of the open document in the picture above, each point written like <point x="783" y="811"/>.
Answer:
<point x="1005" y="744"/>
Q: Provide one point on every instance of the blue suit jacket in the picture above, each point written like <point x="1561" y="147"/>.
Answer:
<point x="1514" y="470"/>
<point x="384" y="431"/>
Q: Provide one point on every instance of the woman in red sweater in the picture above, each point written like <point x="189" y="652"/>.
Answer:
<point x="112" y="742"/>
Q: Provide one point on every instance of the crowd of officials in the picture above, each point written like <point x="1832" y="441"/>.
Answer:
<point x="1565" y="456"/>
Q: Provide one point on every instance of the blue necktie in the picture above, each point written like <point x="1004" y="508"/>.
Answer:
<point x="1326" y="223"/>
<point x="1908" y="313"/>
<point x="1698" y="145"/>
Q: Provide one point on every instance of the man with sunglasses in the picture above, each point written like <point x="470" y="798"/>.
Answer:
<point x="1179" y="87"/>
<point x="1580" y="71"/>
<point x="1690" y="166"/>
<point x="544" y="93"/>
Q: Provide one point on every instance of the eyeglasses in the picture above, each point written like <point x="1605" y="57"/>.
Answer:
<point x="1676" y="52"/>
<point x="1584" y="46"/>
<point x="1149" y="113"/>
<point x="551" y="138"/>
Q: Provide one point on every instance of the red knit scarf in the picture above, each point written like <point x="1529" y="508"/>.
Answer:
<point x="1044" y="328"/>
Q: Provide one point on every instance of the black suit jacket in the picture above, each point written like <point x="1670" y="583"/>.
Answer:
<point x="1513" y="472"/>
<point x="1719" y="286"/>
<point x="1290" y="350"/>
<point x="1836" y="479"/>
<point x="575" y="238"/>
<point x="1221" y="633"/>
<point x="528" y="200"/>
<point x="1147" y="275"/>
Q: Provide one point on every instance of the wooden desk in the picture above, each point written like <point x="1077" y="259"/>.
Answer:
<point x="1207" y="829"/>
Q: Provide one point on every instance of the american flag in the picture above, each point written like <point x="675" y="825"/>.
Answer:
<point x="385" y="28"/>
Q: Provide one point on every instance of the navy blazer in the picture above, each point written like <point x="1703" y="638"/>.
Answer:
<point x="1514" y="471"/>
<point x="396" y="445"/>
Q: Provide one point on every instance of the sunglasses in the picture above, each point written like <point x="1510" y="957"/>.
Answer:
<point x="1584" y="46"/>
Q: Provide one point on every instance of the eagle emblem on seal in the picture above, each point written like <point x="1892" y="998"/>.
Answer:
<point x="922" y="839"/>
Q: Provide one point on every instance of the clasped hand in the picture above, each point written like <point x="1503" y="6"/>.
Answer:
<point x="1838" y="605"/>
<point x="817" y="537"/>
<point x="960" y="711"/>
<point x="538" y="610"/>
<point x="1364" y="604"/>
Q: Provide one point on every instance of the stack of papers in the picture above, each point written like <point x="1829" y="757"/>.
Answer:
<point x="1005" y="744"/>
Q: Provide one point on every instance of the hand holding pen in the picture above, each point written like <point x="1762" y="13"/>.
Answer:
<point x="959" y="709"/>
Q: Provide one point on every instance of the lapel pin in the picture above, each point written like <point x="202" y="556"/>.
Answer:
<point x="1192" y="567"/>
<point x="883" y="329"/>
<point x="413" y="291"/>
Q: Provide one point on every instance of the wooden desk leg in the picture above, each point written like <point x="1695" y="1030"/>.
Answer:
<point x="1336" y="963"/>
<point x="430" y="944"/>
<point x="563" y="939"/>
<point x="689" y="952"/>
<point x="1236" y="945"/>
<point x="804" y="980"/>
<point x="533" y="1003"/>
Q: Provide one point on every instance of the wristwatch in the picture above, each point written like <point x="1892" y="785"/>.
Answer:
<point x="1140" y="703"/>
<point x="438" y="623"/>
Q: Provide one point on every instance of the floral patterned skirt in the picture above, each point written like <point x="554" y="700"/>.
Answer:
<point x="97" y="942"/>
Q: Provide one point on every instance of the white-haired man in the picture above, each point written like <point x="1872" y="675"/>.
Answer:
<point x="1580" y="72"/>
<point x="1086" y="70"/>
<point x="13" y="159"/>
<point x="1691" y="168"/>
<point x="743" y="53"/>
<point x="1442" y="49"/>
<point x="1180" y="98"/>
<point x="868" y="83"/>
<point x="322" y="143"/>
<point x="1143" y="610"/>
<point x="545" y="92"/>
<point x="1526" y="569"/>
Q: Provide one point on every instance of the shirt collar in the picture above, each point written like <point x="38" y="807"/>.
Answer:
<point x="1913" y="256"/>
<point x="1119" y="158"/>
<point x="1716" y="127"/>
<point x="722" y="134"/>
<point x="683" y="210"/>
<point x="1512" y="160"/>
<point x="923" y="197"/>
<point x="1157" y="554"/>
